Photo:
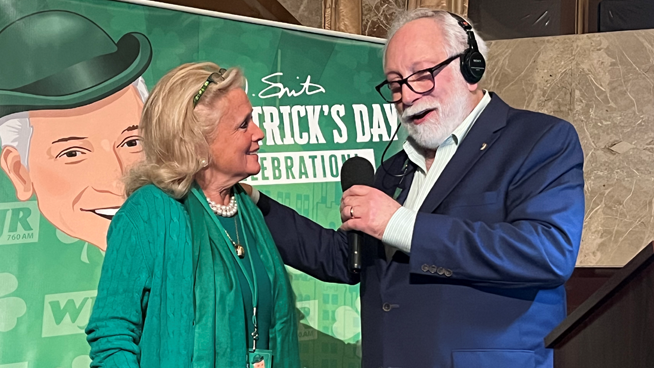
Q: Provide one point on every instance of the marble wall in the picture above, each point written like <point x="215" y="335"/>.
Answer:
<point x="604" y="85"/>
<point x="376" y="15"/>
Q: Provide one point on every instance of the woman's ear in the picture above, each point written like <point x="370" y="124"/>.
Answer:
<point x="17" y="173"/>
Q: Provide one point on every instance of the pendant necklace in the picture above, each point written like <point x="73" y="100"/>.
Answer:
<point x="238" y="248"/>
<point x="229" y="211"/>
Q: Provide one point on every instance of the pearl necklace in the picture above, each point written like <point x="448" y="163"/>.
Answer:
<point x="225" y="211"/>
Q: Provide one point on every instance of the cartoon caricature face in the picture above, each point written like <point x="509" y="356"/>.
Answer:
<point x="76" y="161"/>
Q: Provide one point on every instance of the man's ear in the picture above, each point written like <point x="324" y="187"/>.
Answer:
<point x="17" y="173"/>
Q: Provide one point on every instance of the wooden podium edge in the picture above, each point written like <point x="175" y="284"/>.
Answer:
<point x="602" y="295"/>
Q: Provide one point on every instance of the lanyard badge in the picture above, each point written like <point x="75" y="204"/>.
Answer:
<point x="260" y="359"/>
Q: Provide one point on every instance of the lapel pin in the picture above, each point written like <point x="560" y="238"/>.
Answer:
<point x="483" y="146"/>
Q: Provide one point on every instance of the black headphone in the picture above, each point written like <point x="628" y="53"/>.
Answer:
<point x="473" y="64"/>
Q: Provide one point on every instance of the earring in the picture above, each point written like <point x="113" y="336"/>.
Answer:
<point x="204" y="163"/>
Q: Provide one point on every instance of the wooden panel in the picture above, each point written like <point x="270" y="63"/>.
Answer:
<point x="615" y="326"/>
<point x="262" y="9"/>
<point x="507" y="19"/>
<point x="584" y="282"/>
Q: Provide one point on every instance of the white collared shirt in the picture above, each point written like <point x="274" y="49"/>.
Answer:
<point x="399" y="231"/>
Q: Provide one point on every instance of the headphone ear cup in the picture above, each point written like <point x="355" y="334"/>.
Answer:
<point x="473" y="66"/>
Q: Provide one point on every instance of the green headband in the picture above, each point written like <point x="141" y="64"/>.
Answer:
<point x="206" y="83"/>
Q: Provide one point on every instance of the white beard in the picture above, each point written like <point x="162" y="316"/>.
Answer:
<point x="444" y="120"/>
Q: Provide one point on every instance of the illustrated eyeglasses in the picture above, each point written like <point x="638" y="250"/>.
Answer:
<point x="421" y="82"/>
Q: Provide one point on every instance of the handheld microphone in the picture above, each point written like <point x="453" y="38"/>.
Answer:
<point x="356" y="171"/>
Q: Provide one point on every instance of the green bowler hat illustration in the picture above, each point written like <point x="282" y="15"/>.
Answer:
<point x="61" y="60"/>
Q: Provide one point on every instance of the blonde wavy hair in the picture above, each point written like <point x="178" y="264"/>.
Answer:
<point x="175" y="134"/>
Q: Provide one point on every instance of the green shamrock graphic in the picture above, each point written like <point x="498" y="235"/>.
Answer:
<point x="11" y="308"/>
<point x="348" y="321"/>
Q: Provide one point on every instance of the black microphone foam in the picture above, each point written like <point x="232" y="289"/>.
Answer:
<point x="356" y="171"/>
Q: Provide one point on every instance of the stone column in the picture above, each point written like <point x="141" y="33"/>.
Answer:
<point x="342" y="15"/>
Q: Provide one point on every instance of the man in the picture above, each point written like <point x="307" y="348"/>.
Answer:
<point x="472" y="229"/>
<point x="70" y="104"/>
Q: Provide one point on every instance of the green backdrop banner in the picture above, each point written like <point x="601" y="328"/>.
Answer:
<point x="70" y="99"/>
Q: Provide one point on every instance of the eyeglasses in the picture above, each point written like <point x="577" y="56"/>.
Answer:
<point x="206" y="84"/>
<point x="421" y="82"/>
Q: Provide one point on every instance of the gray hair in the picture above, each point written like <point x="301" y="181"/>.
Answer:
<point x="16" y="129"/>
<point x="456" y="39"/>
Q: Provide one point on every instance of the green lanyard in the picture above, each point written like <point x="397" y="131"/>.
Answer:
<point x="252" y="282"/>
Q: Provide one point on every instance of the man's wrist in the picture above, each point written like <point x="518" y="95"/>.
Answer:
<point x="399" y="230"/>
<point x="255" y="195"/>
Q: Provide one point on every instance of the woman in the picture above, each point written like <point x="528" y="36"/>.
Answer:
<point x="191" y="276"/>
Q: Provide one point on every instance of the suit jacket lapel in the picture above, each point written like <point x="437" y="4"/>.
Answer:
<point x="393" y="175"/>
<point x="404" y="185"/>
<point x="483" y="134"/>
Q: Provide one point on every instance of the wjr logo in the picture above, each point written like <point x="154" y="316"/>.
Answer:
<point x="67" y="313"/>
<point x="19" y="222"/>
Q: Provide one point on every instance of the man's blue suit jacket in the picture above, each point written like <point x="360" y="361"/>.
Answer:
<point x="493" y="243"/>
